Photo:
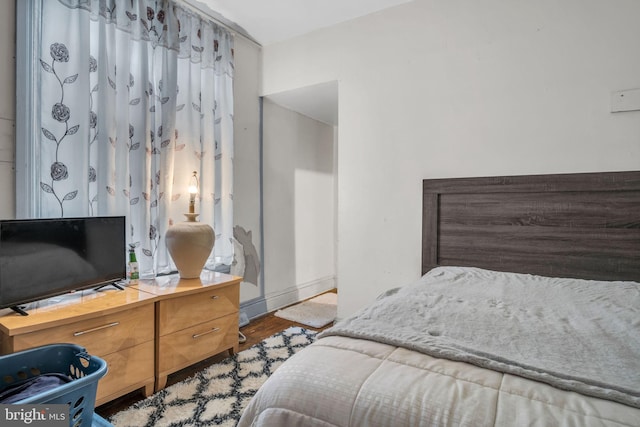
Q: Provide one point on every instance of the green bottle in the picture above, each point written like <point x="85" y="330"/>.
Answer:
<point x="134" y="274"/>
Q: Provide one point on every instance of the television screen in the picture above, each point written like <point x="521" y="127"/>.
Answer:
<point x="40" y="258"/>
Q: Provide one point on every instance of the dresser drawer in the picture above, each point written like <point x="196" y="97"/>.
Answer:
<point x="127" y="370"/>
<point x="176" y="314"/>
<point x="182" y="348"/>
<point x="101" y="335"/>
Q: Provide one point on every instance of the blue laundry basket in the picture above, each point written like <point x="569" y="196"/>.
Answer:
<point x="67" y="359"/>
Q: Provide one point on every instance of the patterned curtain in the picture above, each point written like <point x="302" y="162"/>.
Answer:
<point x="134" y="96"/>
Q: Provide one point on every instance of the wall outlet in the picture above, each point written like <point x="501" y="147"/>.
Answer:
<point x="625" y="100"/>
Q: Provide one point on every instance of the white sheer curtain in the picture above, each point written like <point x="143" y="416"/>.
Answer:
<point x="134" y="96"/>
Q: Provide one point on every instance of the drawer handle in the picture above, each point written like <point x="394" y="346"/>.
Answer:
<point x="110" y="325"/>
<point x="205" y="333"/>
<point x="215" y="297"/>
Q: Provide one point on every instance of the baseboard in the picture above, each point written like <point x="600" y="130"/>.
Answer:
<point x="260" y="306"/>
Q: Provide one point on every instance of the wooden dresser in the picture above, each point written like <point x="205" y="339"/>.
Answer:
<point x="195" y="319"/>
<point x="144" y="332"/>
<point x="117" y="326"/>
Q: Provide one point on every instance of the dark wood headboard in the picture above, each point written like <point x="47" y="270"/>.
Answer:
<point x="569" y="225"/>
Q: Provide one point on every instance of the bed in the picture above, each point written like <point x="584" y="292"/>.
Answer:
<point x="527" y="313"/>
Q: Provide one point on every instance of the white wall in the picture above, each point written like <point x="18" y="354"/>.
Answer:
<point x="438" y="88"/>
<point x="298" y="193"/>
<point x="246" y="172"/>
<point x="7" y="108"/>
<point x="299" y="206"/>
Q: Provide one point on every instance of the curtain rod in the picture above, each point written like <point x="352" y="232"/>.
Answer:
<point x="234" y="31"/>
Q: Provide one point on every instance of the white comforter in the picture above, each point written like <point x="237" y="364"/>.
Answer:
<point x="341" y="381"/>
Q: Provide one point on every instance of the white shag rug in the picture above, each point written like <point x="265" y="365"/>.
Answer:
<point x="217" y="395"/>
<point x="316" y="312"/>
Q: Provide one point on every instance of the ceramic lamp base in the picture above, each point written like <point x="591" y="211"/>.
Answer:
<point x="190" y="243"/>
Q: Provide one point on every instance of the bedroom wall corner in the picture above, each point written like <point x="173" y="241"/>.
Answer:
<point x="299" y="206"/>
<point x="7" y="109"/>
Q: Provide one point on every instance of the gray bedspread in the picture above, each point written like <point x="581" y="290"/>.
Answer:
<point x="575" y="335"/>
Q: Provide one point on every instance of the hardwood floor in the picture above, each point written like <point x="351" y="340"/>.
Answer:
<point x="256" y="331"/>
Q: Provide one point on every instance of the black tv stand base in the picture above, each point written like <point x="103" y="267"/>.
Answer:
<point x="114" y="284"/>
<point x="19" y="310"/>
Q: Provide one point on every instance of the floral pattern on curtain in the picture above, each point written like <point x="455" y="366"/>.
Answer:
<point x="134" y="96"/>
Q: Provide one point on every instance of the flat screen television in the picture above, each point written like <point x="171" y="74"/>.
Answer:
<point x="41" y="258"/>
